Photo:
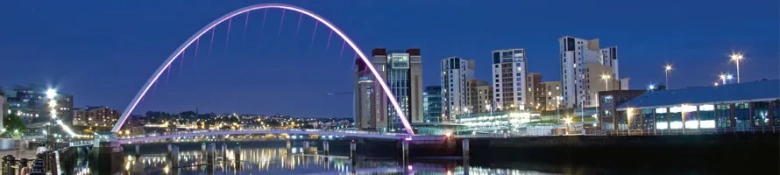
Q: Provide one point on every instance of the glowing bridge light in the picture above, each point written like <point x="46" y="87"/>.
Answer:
<point x="151" y="81"/>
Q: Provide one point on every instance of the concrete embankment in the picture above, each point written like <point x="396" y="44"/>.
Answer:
<point x="715" y="153"/>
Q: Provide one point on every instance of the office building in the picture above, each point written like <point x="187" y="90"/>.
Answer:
<point x="99" y="116"/>
<point x="534" y="91"/>
<point x="433" y="104"/>
<point x="455" y="72"/>
<point x="402" y="71"/>
<point x="575" y="74"/>
<point x="551" y="96"/>
<point x="32" y="105"/>
<point x="509" y="79"/>
<point x="480" y="96"/>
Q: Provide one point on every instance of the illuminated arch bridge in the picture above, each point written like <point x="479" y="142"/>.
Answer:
<point x="176" y="54"/>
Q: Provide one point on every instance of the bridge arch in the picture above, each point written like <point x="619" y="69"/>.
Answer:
<point x="175" y="55"/>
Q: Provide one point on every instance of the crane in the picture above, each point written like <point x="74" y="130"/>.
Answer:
<point x="339" y="93"/>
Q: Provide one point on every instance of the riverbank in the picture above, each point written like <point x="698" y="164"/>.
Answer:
<point x="735" y="153"/>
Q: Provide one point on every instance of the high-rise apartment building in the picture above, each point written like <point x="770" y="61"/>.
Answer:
<point x="533" y="91"/>
<point x="608" y="57"/>
<point x="3" y="107"/>
<point x="575" y="53"/>
<point x="32" y="105"/>
<point x="402" y="72"/>
<point x="99" y="116"/>
<point x="480" y="96"/>
<point x="551" y="95"/>
<point x="432" y="104"/>
<point x="455" y="72"/>
<point x="509" y="79"/>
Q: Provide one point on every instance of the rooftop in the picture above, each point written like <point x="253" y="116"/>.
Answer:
<point x="729" y="93"/>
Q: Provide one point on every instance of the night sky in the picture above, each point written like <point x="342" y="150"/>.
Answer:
<point x="103" y="51"/>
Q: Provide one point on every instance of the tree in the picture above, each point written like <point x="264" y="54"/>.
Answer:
<point x="13" y="123"/>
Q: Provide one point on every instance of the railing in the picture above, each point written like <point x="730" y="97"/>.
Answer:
<point x="637" y="132"/>
<point x="81" y="143"/>
<point x="264" y="131"/>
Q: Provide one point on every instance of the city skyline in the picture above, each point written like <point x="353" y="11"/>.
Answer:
<point x="117" y="62"/>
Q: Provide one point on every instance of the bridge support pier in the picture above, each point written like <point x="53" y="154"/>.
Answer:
<point x="107" y="154"/>
<point x="405" y="154"/>
<point x="237" y="155"/>
<point x="173" y="157"/>
<point x="466" y="152"/>
<point x="137" y="151"/>
<point x="305" y="147"/>
<point x="289" y="147"/>
<point x="325" y="147"/>
<point x="353" y="153"/>
<point x="210" y="154"/>
<point x="224" y="152"/>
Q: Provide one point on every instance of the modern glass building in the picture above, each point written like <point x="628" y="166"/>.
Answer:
<point x="732" y="107"/>
<point x="432" y="104"/>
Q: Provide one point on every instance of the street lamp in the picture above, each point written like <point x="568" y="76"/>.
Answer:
<point x="557" y="107"/>
<point x="606" y="77"/>
<point x="736" y="58"/>
<point x="567" y="121"/>
<point x="722" y="78"/>
<point x="629" y="113"/>
<point x="716" y="83"/>
<point x="51" y="94"/>
<point x="667" y="68"/>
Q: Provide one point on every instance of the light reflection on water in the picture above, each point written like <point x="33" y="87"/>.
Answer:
<point x="279" y="161"/>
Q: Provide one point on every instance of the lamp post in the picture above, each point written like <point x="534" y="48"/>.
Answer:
<point x="466" y="110"/>
<point x="736" y="58"/>
<point x="606" y="78"/>
<point x="51" y="94"/>
<point x="489" y="108"/>
<point x="567" y="121"/>
<point x="557" y="107"/>
<point x="667" y="68"/>
<point x="629" y="113"/>
<point x="722" y="78"/>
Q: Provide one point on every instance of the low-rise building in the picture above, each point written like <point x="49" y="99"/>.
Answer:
<point x="98" y="116"/>
<point x="608" y="103"/>
<point x="739" y="107"/>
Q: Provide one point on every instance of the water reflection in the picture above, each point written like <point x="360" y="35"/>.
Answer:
<point x="282" y="161"/>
